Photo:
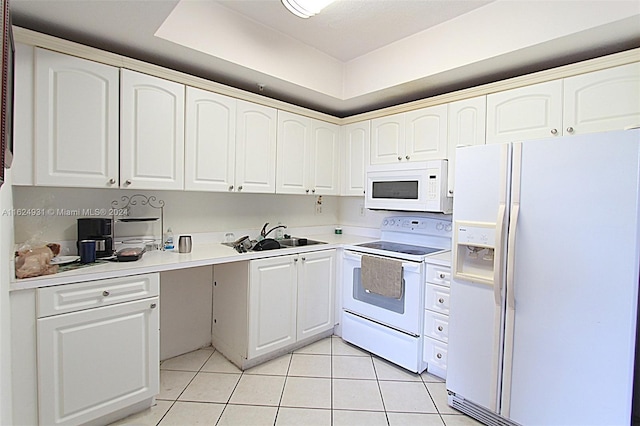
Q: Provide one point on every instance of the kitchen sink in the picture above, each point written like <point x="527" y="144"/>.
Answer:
<point x="296" y="242"/>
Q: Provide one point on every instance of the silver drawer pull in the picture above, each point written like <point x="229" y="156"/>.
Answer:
<point x="440" y="328"/>
<point x="153" y="306"/>
<point x="441" y="300"/>
<point x="442" y="276"/>
<point x="105" y="293"/>
<point x="439" y="356"/>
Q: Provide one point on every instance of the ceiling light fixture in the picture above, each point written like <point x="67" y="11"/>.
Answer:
<point x="306" y="8"/>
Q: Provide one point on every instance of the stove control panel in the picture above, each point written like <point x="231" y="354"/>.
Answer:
<point x="417" y="225"/>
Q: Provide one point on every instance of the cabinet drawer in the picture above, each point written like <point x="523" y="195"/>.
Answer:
<point x="437" y="299"/>
<point x="435" y="354"/>
<point x="91" y="294"/>
<point x="440" y="275"/>
<point x="436" y="326"/>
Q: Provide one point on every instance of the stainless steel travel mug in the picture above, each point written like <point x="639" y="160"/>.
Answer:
<point x="184" y="244"/>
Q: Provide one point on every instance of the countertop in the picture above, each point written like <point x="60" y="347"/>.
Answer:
<point x="158" y="261"/>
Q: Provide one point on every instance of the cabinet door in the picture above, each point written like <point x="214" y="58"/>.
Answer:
<point x="387" y="139"/>
<point x="152" y="132"/>
<point x="294" y="154"/>
<point x="96" y="361"/>
<point x="531" y="112"/>
<point x="325" y="163"/>
<point x="210" y="141"/>
<point x="467" y="120"/>
<point x="426" y="134"/>
<point x="355" y="152"/>
<point x="272" y="301"/>
<point x="316" y="300"/>
<point x="76" y="141"/>
<point x="255" y="148"/>
<point x="602" y="100"/>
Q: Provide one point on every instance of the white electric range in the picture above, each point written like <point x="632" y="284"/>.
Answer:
<point x="388" y="327"/>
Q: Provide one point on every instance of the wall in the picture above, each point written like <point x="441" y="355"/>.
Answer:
<point x="6" y="254"/>
<point x="185" y="211"/>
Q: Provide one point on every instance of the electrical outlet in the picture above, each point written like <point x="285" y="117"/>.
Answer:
<point x="318" y="208"/>
<point x="361" y="209"/>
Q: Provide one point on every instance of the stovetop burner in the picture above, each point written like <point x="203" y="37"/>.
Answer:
<point x="400" y="248"/>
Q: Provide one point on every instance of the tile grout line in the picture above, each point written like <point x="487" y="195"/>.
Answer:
<point x="284" y="386"/>
<point x="185" y="388"/>
<point x="384" y="407"/>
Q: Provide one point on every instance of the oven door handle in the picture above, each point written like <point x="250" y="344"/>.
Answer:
<point x="408" y="266"/>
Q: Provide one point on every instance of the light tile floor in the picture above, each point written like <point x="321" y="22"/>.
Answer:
<point x="329" y="382"/>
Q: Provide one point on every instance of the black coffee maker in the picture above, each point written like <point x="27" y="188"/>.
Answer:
<point x="100" y="230"/>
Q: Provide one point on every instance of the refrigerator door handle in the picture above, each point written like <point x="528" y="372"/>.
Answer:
<point x="497" y="295"/>
<point x="510" y="290"/>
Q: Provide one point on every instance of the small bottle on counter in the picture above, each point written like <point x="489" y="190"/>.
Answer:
<point x="168" y="240"/>
<point x="279" y="232"/>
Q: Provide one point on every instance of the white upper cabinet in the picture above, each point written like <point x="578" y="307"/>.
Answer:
<point x="467" y="120"/>
<point x="418" y="135"/>
<point x="387" y="139"/>
<point x="355" y="154"/>
<point x="210" y="141"/>
<point x="76" y="121"/>
<point x="294" y="147"/>
<point x="602" y="100"/>
<point x="426" y="134"/>
<point x="308" y="161"/>
<point x="255" y="148"/>
<point x="152" y="132"/>
<point x="530" y="112"/>
<point x="325" y="161"/>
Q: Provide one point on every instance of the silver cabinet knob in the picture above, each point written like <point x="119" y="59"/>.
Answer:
<point x="306" y="190"/>
<point x="399" y="158"/>
<point x="569" y="129"/>
<point x="439" y="356"/>
<point x="230" y="187"/>
<point x="112" y="181"/>
<point x="440" y="328"/>
<point x="127" y="182"/>
<point x="240" y="188"/>
<point x="295" y="259"/>
<point x="451" y="191"/>
<point x="441" y="300"/>
<point x="105" y="293"/>
<point x="313" y="190"/>
<point x="153" y="306"/>
<point x="442" y="276"/>
<point x="554" y="131"/>
<point x="304" y="258"/>
<point x="407" y="157"/>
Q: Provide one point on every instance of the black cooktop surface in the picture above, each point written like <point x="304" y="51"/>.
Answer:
<point x="400" y="248"/>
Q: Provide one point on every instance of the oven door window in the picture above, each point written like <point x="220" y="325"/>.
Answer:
<point x="395" y="190"/>
<point x="387" y="303"/>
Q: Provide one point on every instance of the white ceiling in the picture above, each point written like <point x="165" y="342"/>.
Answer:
<point x="348" y="29"/>
<point x="356" y="55"/>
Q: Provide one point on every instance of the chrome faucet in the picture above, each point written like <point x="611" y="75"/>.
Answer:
<point x="264" y="233"/>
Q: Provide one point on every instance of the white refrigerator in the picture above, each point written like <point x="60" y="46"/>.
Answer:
<point x="544" y="294"/>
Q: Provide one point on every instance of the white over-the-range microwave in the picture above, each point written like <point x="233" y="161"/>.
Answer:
<point x="416" y="187"/>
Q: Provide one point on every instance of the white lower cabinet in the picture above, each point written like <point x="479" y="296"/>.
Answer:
<point x="436" y="319"/>
<point x="291" y="298"/>
<point x="268" y="306"/>
<point x="272" y="304"/>
<point x="99" y="356"/>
